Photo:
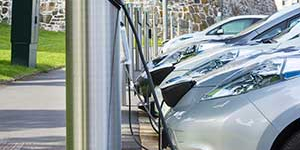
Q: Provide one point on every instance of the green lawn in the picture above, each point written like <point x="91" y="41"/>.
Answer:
<point x="51" y="54"/>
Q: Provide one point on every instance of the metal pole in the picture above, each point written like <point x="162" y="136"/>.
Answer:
<point x="76" y="75"/>
<point x="190" y="26"/>
<point x="138" y="24"/>
<point x="221" y="9"/>
<point x="93" y="82"/>
<point x="146" y="35"/>
<point x="122" y="73"/>
<point x="130" y="41"/>
<point x="178" y="26"/>
<point x="171" y="26"/>
<point x="155" y="39"/>
<point x="165" y="19"/>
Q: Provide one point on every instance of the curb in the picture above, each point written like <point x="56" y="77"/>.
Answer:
<point x="3" y="82"/>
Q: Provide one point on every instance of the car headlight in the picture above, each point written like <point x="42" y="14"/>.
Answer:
<point x="213" y="64"/>
<point x="177" y="56"/>
<point x="259" y="76"/>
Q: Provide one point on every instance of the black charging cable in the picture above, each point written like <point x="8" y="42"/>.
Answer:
<point x="162" y="119"/>
<point x="129" y="113"/>
<point x="140" y="51"/>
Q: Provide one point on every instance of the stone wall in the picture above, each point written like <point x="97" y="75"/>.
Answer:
<point x="200" y="13"/>
<point x="248" y="7"/>
<point x="52" y="14"/>
<point x="203" y="13"/>
<point x="5" y="11"/>
<point x="188" y="14"/>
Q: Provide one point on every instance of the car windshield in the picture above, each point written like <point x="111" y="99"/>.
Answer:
<point x="250" y="78"/>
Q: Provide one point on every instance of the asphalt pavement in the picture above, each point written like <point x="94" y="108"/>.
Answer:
<point x="32" y="114"/>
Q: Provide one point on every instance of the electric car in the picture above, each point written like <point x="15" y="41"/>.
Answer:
<point x="260" y="31"/>
<point x="214" y="59"/>
<point x="168" y="72"/>
<point x="249" y="106"/>
<point x="264" y="29"/>
<point x="220" y="30"/>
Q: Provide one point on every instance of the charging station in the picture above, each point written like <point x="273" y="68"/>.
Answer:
<point x="24" y="32"/>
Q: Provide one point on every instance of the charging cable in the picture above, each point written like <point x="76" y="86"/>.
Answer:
<point x="139" y="48"/>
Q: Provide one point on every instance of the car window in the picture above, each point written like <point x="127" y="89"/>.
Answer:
<point x="294" y="21"/>
<point x="233" y="27"/>
<point x="252" y="27"/>
<point x="276" y="30"/>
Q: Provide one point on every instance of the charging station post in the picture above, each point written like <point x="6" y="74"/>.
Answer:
<point x="24" y="32"/>
<point x="146" y="35"/>
<point x="138" y="26"/>
<point x="93" y="76"/>
<point x="155" y="34"/>
<point x="165" y="19"/>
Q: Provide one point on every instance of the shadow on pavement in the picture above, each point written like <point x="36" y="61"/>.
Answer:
<point x="40" y="83"/>
<point x="40" y="143"/>
<point x="16" y="120"/>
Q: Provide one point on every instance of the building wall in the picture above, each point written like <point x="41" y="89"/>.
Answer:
<point x="282" y="3"/>
<point x="52" y="14"/>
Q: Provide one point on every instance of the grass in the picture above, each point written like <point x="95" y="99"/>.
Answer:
<point x="50" y="55"/>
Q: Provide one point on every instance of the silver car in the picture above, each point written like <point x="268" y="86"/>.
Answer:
<point x="262" y="31"/>
<point x="214" y="59"/>
<point x="248" y="106"/>
<point x="223" y="29"/>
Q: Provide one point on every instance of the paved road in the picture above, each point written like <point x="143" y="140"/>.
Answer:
<point x="32" y="113"/>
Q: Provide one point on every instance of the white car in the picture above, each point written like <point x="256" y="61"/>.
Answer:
<point x="218" y="57"/>
<point x="220" y="30"/>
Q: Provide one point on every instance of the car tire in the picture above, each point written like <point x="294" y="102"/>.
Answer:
<point x="293" y="143"/>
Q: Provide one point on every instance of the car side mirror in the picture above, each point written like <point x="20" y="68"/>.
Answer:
<point x="220" y="31"/>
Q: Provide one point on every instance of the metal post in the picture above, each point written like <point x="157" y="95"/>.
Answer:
<point x="24" y="32"/>
<point x="165" y="19"/>
<point x="171" y="26"/>
<point x="93" y="81"/>
<point x="130" y="41"/>
<point x="178" y="26"/>
<point x="138" y="24"/>
<point x="190" y="26"/>
<point x="155" y="39"/>
<point x="146" y="35"/>
<point x="122" y="73"/>
<point x="221" y="9"/>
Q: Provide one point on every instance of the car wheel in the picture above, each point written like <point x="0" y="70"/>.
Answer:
<point x="293" y="143"/>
